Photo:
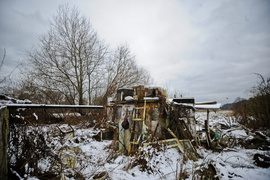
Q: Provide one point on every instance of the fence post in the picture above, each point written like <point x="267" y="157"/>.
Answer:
<point x="4" y="130"/>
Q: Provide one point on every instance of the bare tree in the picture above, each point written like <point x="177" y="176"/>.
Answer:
<point x="1" y="66"/>
<point x="68" y="56"/>
<point x="73" y="64"/>
<point x="122" y="71"/>
<point x="3" y="59"/>
<point x="6" y="82"/>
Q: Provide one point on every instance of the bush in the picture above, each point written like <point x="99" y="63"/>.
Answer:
<point x="255" y="112"/>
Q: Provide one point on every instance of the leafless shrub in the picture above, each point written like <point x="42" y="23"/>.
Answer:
<point x="27" y="148"/>
<point x="255" y="112"/>
<point x="183" y="174"/>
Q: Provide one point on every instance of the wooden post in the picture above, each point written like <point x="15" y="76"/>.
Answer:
<point x="4" y="129"/>
<point x="208" y="138"/>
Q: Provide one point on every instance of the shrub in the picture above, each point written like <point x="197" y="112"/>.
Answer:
<point x="255" y="112"/>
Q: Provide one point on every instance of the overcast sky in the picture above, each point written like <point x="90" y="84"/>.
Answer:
<point x="203" y="49"/>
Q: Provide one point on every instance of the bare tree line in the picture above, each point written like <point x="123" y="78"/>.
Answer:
<point x="72" y="65"/>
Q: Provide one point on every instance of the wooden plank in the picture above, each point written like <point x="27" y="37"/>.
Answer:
<point x="138" y="119"/>
<point x="4" y="130"/>
<point x="178" y="143"/>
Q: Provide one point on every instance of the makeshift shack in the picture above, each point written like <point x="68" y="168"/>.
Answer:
<point x="144" y="115"/>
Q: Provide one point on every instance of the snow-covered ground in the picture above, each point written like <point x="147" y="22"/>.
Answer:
<point x="84" y="157"/>
<point x="236" y="162"/>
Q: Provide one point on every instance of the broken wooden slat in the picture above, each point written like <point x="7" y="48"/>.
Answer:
<point x="178" y="143"/>
<point x="181" y="148"/>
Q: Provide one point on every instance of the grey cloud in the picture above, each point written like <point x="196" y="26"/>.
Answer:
<point x="207" y="49"/>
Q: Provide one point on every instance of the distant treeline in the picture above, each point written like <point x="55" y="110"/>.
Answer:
<point x="229" y="106"/>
